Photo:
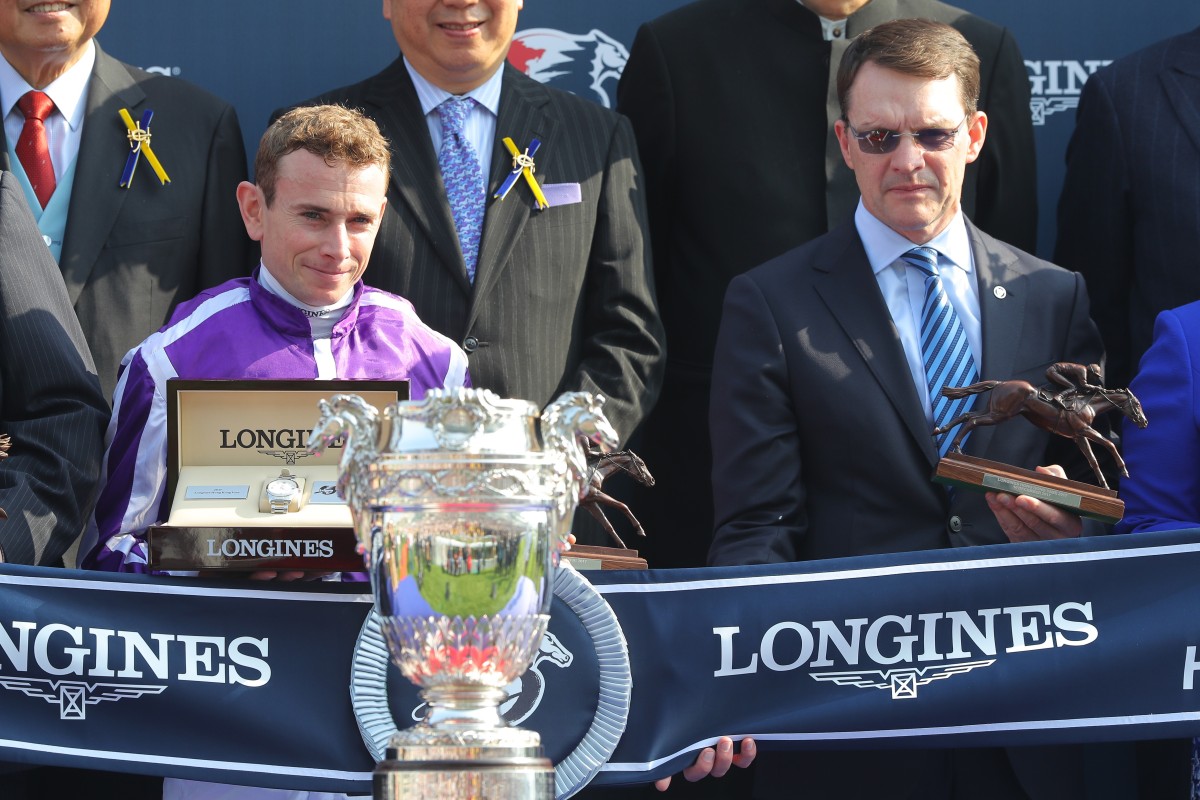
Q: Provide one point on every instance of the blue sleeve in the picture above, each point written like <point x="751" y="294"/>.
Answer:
<point x="1162" y="491"/>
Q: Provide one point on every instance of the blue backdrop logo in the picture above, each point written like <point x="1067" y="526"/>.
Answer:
<point x="587" y="65"/>
<point x="1054" y="86"/>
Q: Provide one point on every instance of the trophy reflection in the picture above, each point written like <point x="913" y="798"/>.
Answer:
<point x="461" y="509"/>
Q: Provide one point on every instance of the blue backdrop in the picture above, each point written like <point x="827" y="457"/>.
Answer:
<point x="262" y="54"/>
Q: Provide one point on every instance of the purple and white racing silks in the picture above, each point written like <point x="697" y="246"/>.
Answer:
<point x="240" y="330"/>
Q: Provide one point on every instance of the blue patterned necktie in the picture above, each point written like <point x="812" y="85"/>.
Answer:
<point x="944" y="345"/>
<point x="463" y="178"/>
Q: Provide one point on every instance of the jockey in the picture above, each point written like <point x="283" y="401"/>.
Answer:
<point x="1074" y="378"/>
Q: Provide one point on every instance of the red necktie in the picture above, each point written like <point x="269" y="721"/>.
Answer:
<point x="32" y="147"/>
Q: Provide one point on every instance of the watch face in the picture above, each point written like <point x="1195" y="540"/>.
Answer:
<point x="281" y="486"/>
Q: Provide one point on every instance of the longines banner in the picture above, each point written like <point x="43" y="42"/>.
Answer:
<point x="1084" y="640"/>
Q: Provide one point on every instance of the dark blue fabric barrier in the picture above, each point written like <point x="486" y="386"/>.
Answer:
<point x="1086" y="640"/>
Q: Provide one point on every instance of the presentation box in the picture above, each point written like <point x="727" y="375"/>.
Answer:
<point x="246" y="492"/>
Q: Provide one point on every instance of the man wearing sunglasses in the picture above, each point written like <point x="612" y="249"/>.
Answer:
<point x="821" y="408"/>
<point x="733" y="103"/>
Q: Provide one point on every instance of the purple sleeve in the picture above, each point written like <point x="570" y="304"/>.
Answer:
<point x="133" y="479"/>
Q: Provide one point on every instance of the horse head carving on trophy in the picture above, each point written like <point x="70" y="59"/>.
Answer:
<point x="356" y="423"/>
<point x="573" y="417"/>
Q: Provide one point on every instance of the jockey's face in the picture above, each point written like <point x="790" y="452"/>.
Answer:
<point x="454" y="44"/>
<point x="318" y="232"/>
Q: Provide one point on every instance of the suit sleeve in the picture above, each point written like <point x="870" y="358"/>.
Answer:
<point x="52" y="406"/>
<point x="1162" y="491"/>
<point x="645" y="95"/>
<point x="1095" y="213"/>
<point x="1006" y="195"/>
<point x="225" y="249"/>
<point x="758" y="488"/>
<point x="624" y="346"/>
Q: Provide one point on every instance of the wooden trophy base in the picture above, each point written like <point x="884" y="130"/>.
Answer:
<point x="585" y="557"/>
<point x="991" y="476"/>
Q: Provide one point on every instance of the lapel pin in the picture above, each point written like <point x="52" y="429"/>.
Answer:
<point x="139" y="143"/>
<point x="1000" y="292"/>
<point x="523" y="166"/>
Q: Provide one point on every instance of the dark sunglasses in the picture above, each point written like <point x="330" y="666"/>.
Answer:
<point x="881" y="141"/>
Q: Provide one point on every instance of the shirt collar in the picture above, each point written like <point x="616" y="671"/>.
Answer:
<point x="884" y="246"/>
<point x="431" y="96"/>
<point x="68" y="91"/>
<point x="272" y="284"/>
<point x="830" y="28"/>
<point x="284" y="312"/>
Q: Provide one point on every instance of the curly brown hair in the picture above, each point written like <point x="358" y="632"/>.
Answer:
<point x="337" y="134"/>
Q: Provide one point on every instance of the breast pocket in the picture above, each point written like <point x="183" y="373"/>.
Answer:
<point x="145" y="231"/>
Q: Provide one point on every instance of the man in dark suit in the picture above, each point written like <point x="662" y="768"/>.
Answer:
<point x="821" y="405"/>
<point x="733" y="108"/>
<point x="1127" y="221"/>
<point x="127" y="255"/>
<point x="1127" y="216"/>
<point x="50" y="400"/>
<point x="543" y="301"/>
<point x="52" y="408"/>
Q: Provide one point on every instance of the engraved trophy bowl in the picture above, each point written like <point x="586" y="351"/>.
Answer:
<point x="461" y="504"/>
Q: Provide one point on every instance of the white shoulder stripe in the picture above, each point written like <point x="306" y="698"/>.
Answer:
<point x="150" y="474"/>
<point x="456" y="375"/>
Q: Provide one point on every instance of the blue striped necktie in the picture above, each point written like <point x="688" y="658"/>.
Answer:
<point x="462" y="177"/>
<point x="944" y="345"/>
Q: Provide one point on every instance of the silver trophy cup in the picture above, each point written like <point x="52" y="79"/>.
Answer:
<point x="461" y="508"/>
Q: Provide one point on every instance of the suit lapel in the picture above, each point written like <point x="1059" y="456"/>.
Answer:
<point x="97" y="196"/>
<point x="415" y="173"/>
<point x="1181" y="83"/>
<point x="1001" y="314"/>
<point x="522" y="118"/>
<point x="850" y="291"/>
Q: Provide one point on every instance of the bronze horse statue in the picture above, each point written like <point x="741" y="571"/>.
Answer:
<point x="1070" y="416"/>
<point x="600" y="466"/>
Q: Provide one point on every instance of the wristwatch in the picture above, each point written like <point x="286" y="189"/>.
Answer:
<point x="282" y="491"/>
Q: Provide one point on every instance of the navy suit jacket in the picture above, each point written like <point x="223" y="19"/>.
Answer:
<point x="820" y="442"/>
<point x="1129" y="213"/>
<point x="821" y="449"/>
